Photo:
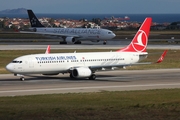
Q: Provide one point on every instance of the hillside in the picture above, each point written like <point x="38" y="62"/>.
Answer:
<point x="14" y="11"/>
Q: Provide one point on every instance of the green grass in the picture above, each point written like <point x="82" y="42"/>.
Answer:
<point x="172" y="59"/>
<point x="136" y="105"/>
<point x="153" y="34"/>
<point x="16" y="35"/>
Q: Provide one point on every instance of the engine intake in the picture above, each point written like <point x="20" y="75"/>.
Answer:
<point x="70" y="39"/>
<point x="81" y="72"/>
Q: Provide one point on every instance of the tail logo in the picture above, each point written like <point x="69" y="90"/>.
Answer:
<point x="140" y="42"/>
<point x="33" y="21"/>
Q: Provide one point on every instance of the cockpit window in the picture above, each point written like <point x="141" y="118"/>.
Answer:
<point x="109" y="32"/>
<point x="16" y="61"/>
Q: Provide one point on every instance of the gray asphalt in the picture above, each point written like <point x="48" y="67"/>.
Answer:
<point x="25" y="44"/>
<point x="121" y="80"/>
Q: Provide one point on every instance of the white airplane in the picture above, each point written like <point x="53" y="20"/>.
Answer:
<point x="69" y="35"/>
<point x="84" y="65"/>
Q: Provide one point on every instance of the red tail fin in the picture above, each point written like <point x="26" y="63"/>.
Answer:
<point x="140" y="40"/>
<point x="47" y="50"/>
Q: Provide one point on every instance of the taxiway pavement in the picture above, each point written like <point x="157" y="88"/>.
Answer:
<point x="111" y="44"/>
<point x="106" y="81"/>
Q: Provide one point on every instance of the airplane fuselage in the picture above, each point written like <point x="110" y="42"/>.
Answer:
<point x="69" y="35"/>
<point x="62" y="63"/>
<point x="78" y="33"/>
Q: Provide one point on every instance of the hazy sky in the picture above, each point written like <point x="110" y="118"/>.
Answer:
<point x="95" y="6"/>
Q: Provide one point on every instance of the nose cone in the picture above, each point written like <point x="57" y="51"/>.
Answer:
<point x="9" y="67"/>
<point x="113" y="35"/>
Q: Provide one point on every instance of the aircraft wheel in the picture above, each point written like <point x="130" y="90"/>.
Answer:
<point x="78" y="42"/>
<point x="63" y="42"/>
<point x="104" y="43"/>
<point x="22" y="78"/>
<point x="92" y="77"/>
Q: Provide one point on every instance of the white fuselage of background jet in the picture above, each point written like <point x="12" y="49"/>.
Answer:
<point x="78" y="33"/>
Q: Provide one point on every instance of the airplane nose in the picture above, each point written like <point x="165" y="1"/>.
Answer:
<point x="114" y="35"/>
<point x="9" y="67"/>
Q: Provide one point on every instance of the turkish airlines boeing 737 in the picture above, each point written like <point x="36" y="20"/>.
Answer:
<point x="84" y="65"/>
<point x="69" y="35"/>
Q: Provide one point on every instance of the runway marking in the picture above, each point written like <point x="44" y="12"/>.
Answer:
<point x="96" y="87"/>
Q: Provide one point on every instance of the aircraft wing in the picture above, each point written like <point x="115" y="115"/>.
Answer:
<point x="110" y="67"/>
<point x="55" y="34"/>
<point x="124" y="65"/>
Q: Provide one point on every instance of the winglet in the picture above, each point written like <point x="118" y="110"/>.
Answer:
<point x="162" y="57"/>
<point x="48" y="49"/>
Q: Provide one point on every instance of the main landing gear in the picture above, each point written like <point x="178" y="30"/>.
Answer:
<point x="64" y="42"/>
<point x="104" y="43"/>
<point x="21" y="76"/>
<point x="92" y="77"/>
<point x="78" y="42"/>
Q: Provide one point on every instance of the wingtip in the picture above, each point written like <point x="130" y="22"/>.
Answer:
<point x="162" y="57"/>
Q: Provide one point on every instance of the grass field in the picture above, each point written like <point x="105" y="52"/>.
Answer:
<point x="127" y="105"/>
<point x="172" y="60"/>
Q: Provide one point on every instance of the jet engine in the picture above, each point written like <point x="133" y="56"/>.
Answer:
<point x="70" y="39"/>
<point x="81" y="72"/>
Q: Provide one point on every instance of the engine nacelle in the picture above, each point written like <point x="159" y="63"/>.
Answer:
<point x="81" y="72"/>
<point x="70" y="39"/>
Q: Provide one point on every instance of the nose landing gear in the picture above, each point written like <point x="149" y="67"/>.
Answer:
<point x="21" y="76"/>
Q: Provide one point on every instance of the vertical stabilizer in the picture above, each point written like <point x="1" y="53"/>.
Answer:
<point x="48" y="49"/>
<point x="140" y="40"/>
<point x="33" y="19"/>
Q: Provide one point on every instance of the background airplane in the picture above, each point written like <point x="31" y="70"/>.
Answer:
<point x="69" y="35"/>
<point x="84" y="65"/>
